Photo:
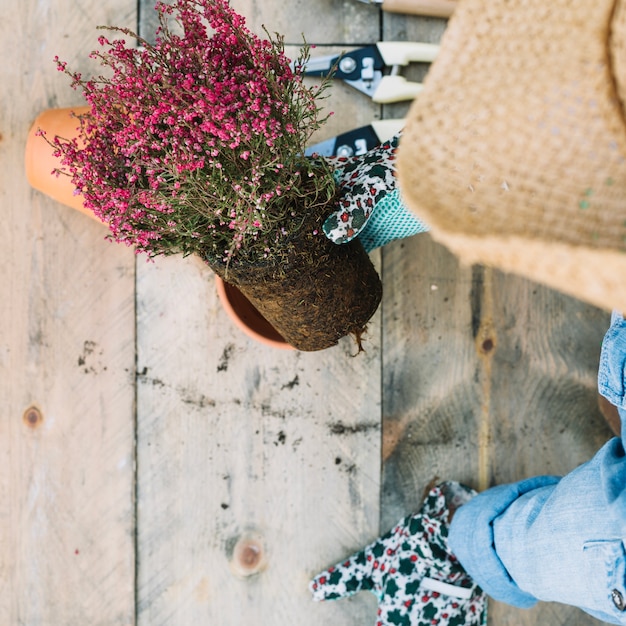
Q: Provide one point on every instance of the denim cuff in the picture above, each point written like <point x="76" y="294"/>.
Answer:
<point x="612" y="370"/>
<point x="472" y="542"/>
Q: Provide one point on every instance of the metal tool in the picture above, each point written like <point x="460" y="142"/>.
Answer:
<point x="357" y="141"/>
<point x="433" y="8"/>
<point x="374" y="70"/>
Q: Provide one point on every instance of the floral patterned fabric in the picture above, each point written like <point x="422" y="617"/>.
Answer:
<point x="417" y="580"/>
<point x="370" y="206"/>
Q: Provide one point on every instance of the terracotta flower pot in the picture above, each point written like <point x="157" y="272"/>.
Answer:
<point x="318" y="293"/>
<point x="247" y="317"/>
<point x="39" y="159"/>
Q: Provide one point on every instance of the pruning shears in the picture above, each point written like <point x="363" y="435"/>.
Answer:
<point x="375" y="70"/>
<point x="358" y="141"/>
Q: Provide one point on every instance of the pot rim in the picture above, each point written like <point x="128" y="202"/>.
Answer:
<point x="221" y="287"/>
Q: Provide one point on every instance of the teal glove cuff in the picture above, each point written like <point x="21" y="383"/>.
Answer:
<point x="370" y="206"/>
<point x="390" y="220"/>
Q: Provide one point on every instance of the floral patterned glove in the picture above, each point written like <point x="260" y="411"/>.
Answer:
<point x="417" y="580"/>
<point x="370" y="206"/>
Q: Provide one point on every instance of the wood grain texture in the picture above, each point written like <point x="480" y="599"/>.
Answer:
<point x="241" y="442"/>
<point x="544" y="416"/>
<point x="497" y="382"/>
<point x="255" y="468"/>
<point x="344" y="22"/>
<point x="66" y="357"/>
<point x="430" y="370"/>
<point x="544" y="373"/>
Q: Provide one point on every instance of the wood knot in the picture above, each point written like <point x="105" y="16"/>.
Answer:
<point x="487" y="345"/>
<point x="32" y="417"/>
<point x="249" y="556"/>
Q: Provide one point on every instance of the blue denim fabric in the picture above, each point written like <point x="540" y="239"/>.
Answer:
<point x="552" y="539"/>
<point x="612" y="371"/>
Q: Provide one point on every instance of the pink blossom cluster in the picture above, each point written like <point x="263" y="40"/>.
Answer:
<point x="194" y="143"/>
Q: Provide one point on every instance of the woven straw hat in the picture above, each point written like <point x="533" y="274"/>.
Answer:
<point x="515" y="151"/>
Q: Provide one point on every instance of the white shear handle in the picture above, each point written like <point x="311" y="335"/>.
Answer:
<point x="386" y="129"/>
<point x="404" y="52"/>
<point x="395" y="89"/>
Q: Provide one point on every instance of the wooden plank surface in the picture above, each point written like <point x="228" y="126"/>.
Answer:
<point x="66" y="357"/>
<point x="487" y="379"/>
<point x="430" y="423"/>
<point x="247" y="451"/>
<point x="241" y="442"/>
<point x="543" y="413"/>
<point x="255" y="468"/>
<point x="320" y="22"/>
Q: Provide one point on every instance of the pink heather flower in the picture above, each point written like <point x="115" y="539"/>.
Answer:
<point x="194" y="127"/>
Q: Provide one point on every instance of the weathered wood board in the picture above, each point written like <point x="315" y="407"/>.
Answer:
<point x="238" y="442"/>
<point x="256" y="467"/>
<point x="319" y="22"/>
<point x="487" y="379"/>
<point x="159" y="467"/>
<point x="67" y="353"/>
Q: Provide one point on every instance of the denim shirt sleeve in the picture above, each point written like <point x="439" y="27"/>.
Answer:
<point x="557" y="540"/>
<point x="612" y="385"/>
<point x="471" y="539"/>
<point x="503" y="537"/>
<point x="612" y="370"/>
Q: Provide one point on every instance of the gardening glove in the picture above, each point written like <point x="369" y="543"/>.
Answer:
<point x="417" y="580"/>
<point x="370" y="206"/>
